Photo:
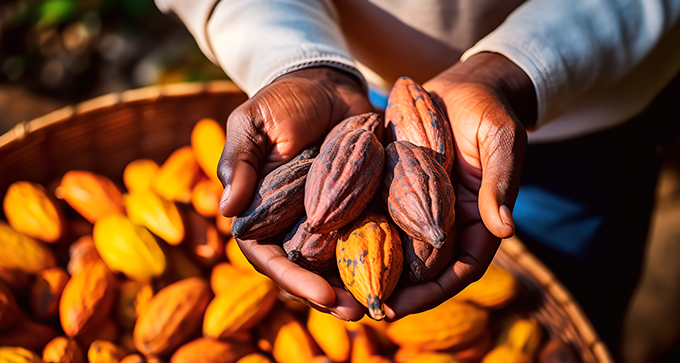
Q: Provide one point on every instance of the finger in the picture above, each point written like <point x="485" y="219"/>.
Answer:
<point x="346" y="307"/>
<point x="502" y="142"/>
<point x="271" y="260"/>
<point x="240" y="160"/>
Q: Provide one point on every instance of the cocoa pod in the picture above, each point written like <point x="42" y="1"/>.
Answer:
<point x="364" y="346"/>
<point x="161" y="217"/>
<point x="237" y="258"/>
<point x="18" y="355"/>
<point x="108" y="330"/>
<point x="278" y="201"/>
<point x="46" y="292"/>
<point x="412" y="115"/>
<point x="177" y="176"/>
<point x="370" y="121"/>
<point x="423" y="260"/>
<point x="496" y="289"/>
<point x="62" y="350"/>
<point x="29" y="210"/>
<point x="313" y="251"/>
<point x="207" y="142"/>
<point x="205" y="244"/>
<point x="126" y="313"/>
<point x="172" y="317"/>
<point x="224" y="224"/>
<point x="254" y="358"/>
<point x="418" y="194"/>
<point x="139" y="174"/>
<point x="224" y="276"/>
<point x="211" y="351"/>
<point x="290" y="341"/>
<point x="23" y="253"/>
<point x="82" y="253"/>
<point x="518" y="341"/>
<point x="28" y="334"/>
<point x="132" y="358"/>
<point x="9" y="310"/>
<point x="103" y="351"/>
<point x="370" y="261"/>
<point x="330" y="334"/>
<point x="205" y="197"/>
<point x="92" y="196"/>
<point x="342" y="180"/>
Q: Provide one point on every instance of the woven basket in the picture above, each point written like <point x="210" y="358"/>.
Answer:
<point x="104" y="134"/>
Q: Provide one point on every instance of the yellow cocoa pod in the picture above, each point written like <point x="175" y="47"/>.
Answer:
<point x="87" y="299"/>
<point x="143" y="298"/>
<point x="18" y="355"/>
<point x="290" y="341"/>
<point x="247" y="302"/>
<point x="207" y="350"/>
<point x="102" y="351"/>
<point x="172" y="317"/>
<point x="433" y="357"/>
<point x="505" y="354"/>
<point x="364" y="345"/>
<point x="377" y="359"/>
<point x="224" y="224"/>
<point x="62" y="350"/>
<point x="31" y="211"/>
<point x="146" y="208"/>
<point x="330" y="334"/>
<point x="9" y="310"/>
<point x="82" y="253"/>
<point x="370" y="261"/>
<point x="254" y="358"/>
<point x="46" y="292"/>
<point x="517" y="343"/>
<point x="177" y="176"/>
<point x="450" y="324"/>
<point x="205" y="197"/>
<point x="223" y="277"/>
<point x="497" y="288"/>
<point x="93" y="196"/>
<point x="139" y="173"/>
<point x="23" y="253"/>
<point x="237" y="258"/>
<point x="132" y="358"/>
<point x="207" y="142"/>
<point x="128" y="248"/>
<point x="28" y="334"/>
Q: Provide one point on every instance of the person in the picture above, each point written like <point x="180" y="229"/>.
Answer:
<point x="572" y="96"/>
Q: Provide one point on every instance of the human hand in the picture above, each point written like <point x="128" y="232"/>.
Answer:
<point x="483" y="98"/>
<point x="275" y="125"/>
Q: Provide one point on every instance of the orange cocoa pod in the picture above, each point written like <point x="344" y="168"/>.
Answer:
<point x="313" y="251"/>
<point x="205" y="244"/>
<point x="278" y="202"/>
<point x="23" y="253"/>
<point x="364" y="345"/>
<point x="172" y="317"/>
<point x="370" y="261"/>
<point x="448" y="325"/>
<point x="207" y="350"/>
<point x="103" y="351"/>
<point x="289" y="339"/>
<point x="370" y="121"/>
<point x="143" y="299"/>
<point x="223" y="277"/>
<point x="378" y="359"/>
<point x="28" y="334"/>
<point x="476" y="351"/>
<point x="254" y="358"/>
<point x="177" y="176"/>
<point x="423" y="260"/>
<point x="207" y="142"/>
<point x="139" y="174"/>
<point x="518" y="342"/>
<point x="412" y="115"/>
<point x="418" y="194"/>
<point x="330" y="334"/>
<point x="320" y="359"/>
<point x="87" y="299"/>
<point x="342" y="180"/>
<point x="161" y="217"/>
<point x="205" y="197"/>
<point x="93" y="196"/>
<point x="132" y="358"/>
<point x="404" y="354"/>
<point x="31" y="211"/>
<point x="46" y="292"/>
<point x="243" y="307"/>
<point x="224" y="224"/>
<point x="82" y="253"/>
<point x="62" y="350"/>
<point x="497" y="288"/>
<point x="433" y="357"/>
<point x="237" y="258"/>
<point x="18" y="355"/>
<point x="9" y="310"/>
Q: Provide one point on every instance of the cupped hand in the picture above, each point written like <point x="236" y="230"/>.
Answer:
<point x="276" y="124"/>
<point x="482" y="98"/>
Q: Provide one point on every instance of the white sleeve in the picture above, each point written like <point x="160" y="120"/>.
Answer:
<point x="256" y="41"/>
<point x="571" y="47"/>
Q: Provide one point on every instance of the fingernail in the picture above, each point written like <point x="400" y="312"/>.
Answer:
<point x="338" y="316"/>
<point x="506" y="216"/>
<point x="225" y="196"/>
<point x="317" y="305"/>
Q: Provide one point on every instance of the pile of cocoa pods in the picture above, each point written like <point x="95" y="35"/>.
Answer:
<point x="154" y="274"/>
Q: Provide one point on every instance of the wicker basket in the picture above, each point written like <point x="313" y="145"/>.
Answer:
<point x="106" y="133"/>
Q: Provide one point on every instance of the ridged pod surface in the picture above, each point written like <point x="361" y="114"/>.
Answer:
<point x="343" y="180"/>
<point x="31" y="211"/>
<point x="412" y="115"/>
<point x="423" y="260"/>
<point x="172" y="317"/>
<point x="313" y="251"/>
<point x="207" y="350"/>
<point x="370" y="121"/>
<point x="418" y="193"/>
<point x="278" y="202"/>
<point x="370" y="261"/>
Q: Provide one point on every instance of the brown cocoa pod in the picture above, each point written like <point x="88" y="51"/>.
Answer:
<point x="412" y="115"/>
<point x="369" y="121"/>
<point x="343" y="180"/>
<point x="278" y="202"/>
<point x="418" y="193"/>
<point x="423" y="260"/>
<point x="313" y="251"/>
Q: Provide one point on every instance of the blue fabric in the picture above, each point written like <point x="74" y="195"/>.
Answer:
<point x="377" y="98"/>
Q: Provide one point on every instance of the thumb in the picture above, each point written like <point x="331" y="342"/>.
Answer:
<point x="502" y="141"/>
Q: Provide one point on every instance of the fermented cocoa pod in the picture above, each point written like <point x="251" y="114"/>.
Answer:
<point x="497" y="288"/>
<point x="313" y="251"/>
<point x="343" y="180"/>
<point x="102" y="351"/>
<point x="330" y="334"/>
<point x="87" y="299"/>
<point x="28" y="334"/>
<point x="370" y="261"/>
<point x="9" y="310"/>
<point x="207" y="350"/>
<point x="23" y="253"/>
<point x="18" y="355"/>
<point x="161" y="217"/>
<point x="139" y="174"/>
<point x="177" y="176"/>
<point x="418" y="194"/>
<point x="62" y="350"/>
<point x="451" y="324"/>
<point x="205" y="197"/>
<point x="172" y="317"/>
<point x="278" y="201"/>
<point x="290" y="341"/>
<point x="82" y="252"/>
<point x="423" y="260"/>
<point x="370" y="121"/>
<point x="207" y="142"/>
<point x="93" y="196"/>
<point x="254" y="358"/>
<point x="31" y="211"/>
<point x="46" y="291"/>
<point x="412" y="115"/>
